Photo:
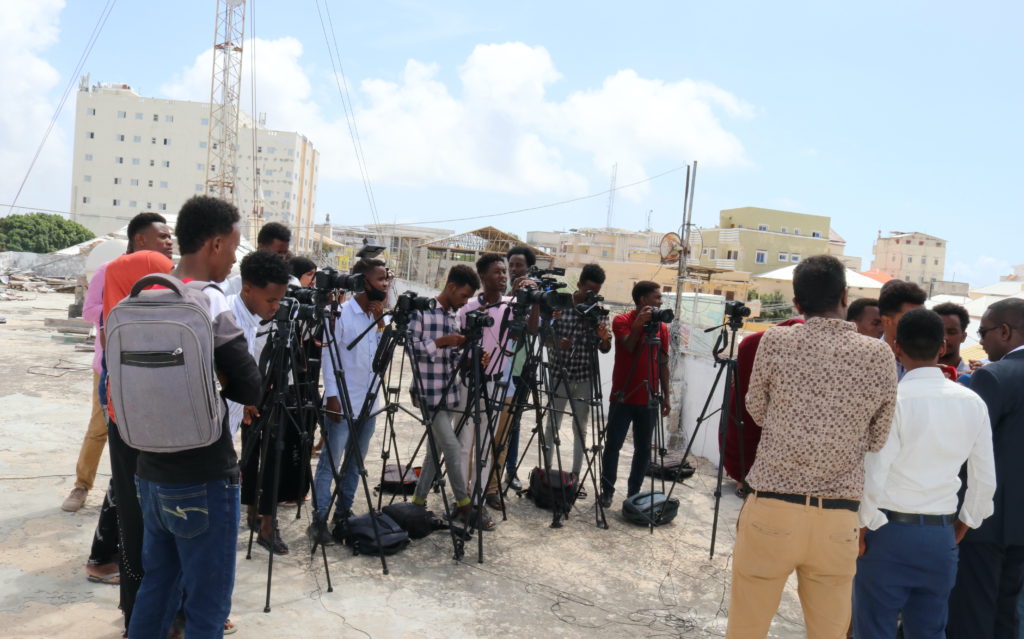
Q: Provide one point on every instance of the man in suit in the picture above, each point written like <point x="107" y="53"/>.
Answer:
<point x="991" y="569"/>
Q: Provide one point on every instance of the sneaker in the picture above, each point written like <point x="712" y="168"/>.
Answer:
<point x="514" y="483"/>
<point x="75" y="500"/>
<point x="319" y="533"/>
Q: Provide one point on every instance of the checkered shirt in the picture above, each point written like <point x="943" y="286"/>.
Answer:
<point x="435" y="364"/>
<point x="575" y="359"/>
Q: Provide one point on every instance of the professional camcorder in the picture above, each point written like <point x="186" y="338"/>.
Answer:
<point x="543" y="277"/>
<point x="329" y="279"/>
<point x="591" y="307"/>
<point x="549" y="300"/>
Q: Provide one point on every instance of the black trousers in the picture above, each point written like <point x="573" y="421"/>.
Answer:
<point x="620" y="416"/>
<point x="104" y="540"/>
<point x="983" y="603"/>
<point x="123" y="460"/>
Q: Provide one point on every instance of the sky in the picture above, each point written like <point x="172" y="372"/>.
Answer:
<point x="884" y="116"/>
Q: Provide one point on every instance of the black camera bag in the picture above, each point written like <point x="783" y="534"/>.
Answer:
<point x="413" y="518"/>
<point x="357" y="531"/>
<point x="648" y="507"/>
<point x="553" y="490"/>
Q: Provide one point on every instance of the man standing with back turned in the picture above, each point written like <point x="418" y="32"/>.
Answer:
<point x="824" y="396"/>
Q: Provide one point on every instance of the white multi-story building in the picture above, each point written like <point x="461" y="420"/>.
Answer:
<point x="135" y="154"/>
<point x="914" y="257"/>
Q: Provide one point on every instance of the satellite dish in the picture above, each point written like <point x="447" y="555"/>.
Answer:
<point x="669" y="248"/>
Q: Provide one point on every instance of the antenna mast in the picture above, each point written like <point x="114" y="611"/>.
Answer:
<point x="225" y="91"/>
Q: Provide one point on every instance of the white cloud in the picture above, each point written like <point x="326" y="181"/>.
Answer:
<point x="978" y="271"/>
<point x="27" y="30"/>
<point x="497" y="131"/>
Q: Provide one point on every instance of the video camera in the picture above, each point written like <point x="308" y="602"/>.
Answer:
<point x="549" y="300"/>
<point x="329" y="279"/>
<point x="292" y="309"/>
<point x="543" y="277"/>
<point x="591" y="307"/>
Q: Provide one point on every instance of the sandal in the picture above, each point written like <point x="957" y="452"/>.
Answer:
<point x="113" y="579"/>
<point x="275" y="545"/>
<point x="480" y="519"/>
<point x="494" y="502"/>
<point x="229" y="628"/>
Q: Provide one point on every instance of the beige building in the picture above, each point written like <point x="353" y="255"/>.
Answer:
<point x="757" y="240"/>
<point x="134" y="154"/>
<point x="598" y="245"/>
<point x="401" y="244"/>
<point x="914" y="257"/>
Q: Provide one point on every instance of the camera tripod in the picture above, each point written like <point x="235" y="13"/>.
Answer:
<point x="728" y="410"/>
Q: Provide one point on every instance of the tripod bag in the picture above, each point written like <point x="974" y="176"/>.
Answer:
<point x="554" y="489"/>
<point x="646" y="508"/>
<point x="397" y="482"/>
<point x="358" y="534"/>
<point x="414" y="519"/>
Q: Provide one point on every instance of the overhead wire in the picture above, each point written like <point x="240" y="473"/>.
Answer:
<point x="90" y="43"/>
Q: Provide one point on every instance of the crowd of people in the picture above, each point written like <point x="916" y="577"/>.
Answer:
<point x="874" y="461"/>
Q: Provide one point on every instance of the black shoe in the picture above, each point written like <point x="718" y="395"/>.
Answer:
<point x="340" y="527"/>
<point x="581" y="494"/>
<point x="605" y="499"/>
<point x="319" y="533"/>
<point x="275" y="544"/>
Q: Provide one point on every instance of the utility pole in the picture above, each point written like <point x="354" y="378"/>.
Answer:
<point x="611" y="195"/>
<point x="225" y="91"/>
<point x="691" y="182"/>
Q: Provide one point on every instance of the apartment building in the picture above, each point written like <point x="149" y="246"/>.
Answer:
<point x="914" y="257"/>
<point x="134" y="154"/>
<point x="758" y="240"/>
<point x="577" y="247"/>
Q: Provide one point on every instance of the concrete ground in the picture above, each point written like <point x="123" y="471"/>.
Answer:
<point x="577" y="581"/>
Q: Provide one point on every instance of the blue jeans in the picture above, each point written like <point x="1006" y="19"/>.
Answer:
<point x="191" y="532"/>
<point x="334" y="450"/>
<point x="908" y="569"/>
<point x="620" y="416"/>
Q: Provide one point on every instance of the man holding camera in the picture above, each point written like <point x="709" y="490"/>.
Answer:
<point x="639" y="386"/>
<point x="573" y="362"/>
<point x="356" y="316"/>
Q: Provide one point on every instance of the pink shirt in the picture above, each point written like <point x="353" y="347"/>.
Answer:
<point x="92" y="311"/>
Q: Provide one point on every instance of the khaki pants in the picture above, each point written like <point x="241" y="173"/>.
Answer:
<point x="774" y="538"/>
<point x="94" y="442"/>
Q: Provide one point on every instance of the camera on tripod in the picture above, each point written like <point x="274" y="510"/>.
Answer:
<point x="543" y="277"/>
<point x="735" y="311"/>
<point x="661" y="316"/>
<point x="409" y="302"/>
<point x="292" y="309"/>
<point x="591" y="307"/>
<point x="549" y="300"/>
<point x="329" y="279"/>
<point x="478" y="320"/>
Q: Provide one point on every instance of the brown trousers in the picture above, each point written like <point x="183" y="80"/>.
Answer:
<point x="773" y="539"/>
<point x="94" y="442"/>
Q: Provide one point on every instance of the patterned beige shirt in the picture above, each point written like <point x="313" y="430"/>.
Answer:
<point x="824" y="396"/>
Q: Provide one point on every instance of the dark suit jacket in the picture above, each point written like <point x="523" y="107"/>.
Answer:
<point x="1001" y="385"/>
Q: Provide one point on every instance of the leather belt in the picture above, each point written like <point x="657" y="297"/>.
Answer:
<point x="810" y="500"/>
<point x="926" y="520"/>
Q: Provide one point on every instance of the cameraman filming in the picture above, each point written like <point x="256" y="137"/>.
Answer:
<point x="637" y="379"/>
<point x="572" y="359"/>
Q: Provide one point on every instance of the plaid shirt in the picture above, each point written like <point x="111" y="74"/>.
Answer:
<point x="436" y="365"/>
<point x="575" y="359"/>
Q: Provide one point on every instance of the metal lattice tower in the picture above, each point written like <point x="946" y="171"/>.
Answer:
<point x="225" y="91"/>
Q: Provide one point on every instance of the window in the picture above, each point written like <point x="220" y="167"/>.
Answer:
<point x="163" y="206"/>
<point x="893" y="259"/>
<point x="762" y="227"/>
<point x="120" y="137"/>
<point x="121" y="115"/>
<point x="168" y="118"/>
<point x="150" y="183"/>
<point x="729" y="255"/>
<point x="138" y="115"/>
<point x="199" y="188"/>
<point x="156" y="118"/>
<point x="760" y="257"/>
<point x="134" y="182"/>
<point x="666" y="289"/>
<point x="270" y="173"/>
<point x="204" y="122"/>
<point x="167" y="164"/>
<point x="910" y="260"/>
<point x="152" y="162"/>
<point x="259" y="149"/>
<point x="936" y="262"/>
<point x="920" y="243"/>
<point x="214" y="146"/>
<point x="604" y="253"/>
<point x="704" y="252"/>
<point x="90" y="135"/>
<point x="149" y="205"/>
<point x="152" y="140"/>
<point x="714" y="253"/>
<point x="87" y="178"/>
<point x="200" y="166"/>
<point x="730" y="295"/>
<point x="119" y="160"/>
<point x="923" y="260"/>
<point x="939" y="244"/>
<point x="117" y="180"/>
<point x="796" y="231"/>
<point x="137" y="139"/>
<point x="783" y="230"/>
<point x="271" y="149"/>
<point x="135" y="161"/>
<point x="717" y="291"/>
<point x="85" y="198"/>
<point x="202" y="145"/>
<point x="134" y="204"/>
<point x="815" y="234"/>
<point x="794" y="257"/>
<point x="90" y="111"/>
<point x="117" y="202"/>
<point x="267" y="193"/>
<point x="167" y="142"/>
<point x="163" y="185"/>
<point x="783" y="257"/>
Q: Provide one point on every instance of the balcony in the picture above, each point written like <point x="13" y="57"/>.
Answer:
<point x="726" y="264"/>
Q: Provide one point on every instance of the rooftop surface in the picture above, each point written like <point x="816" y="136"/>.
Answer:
<point x="577" y="581"/>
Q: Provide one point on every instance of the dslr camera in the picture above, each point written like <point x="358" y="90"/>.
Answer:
<point x="735" y="311"/>
<point x="478" y="320"/>
<point x="661" y="316"/>
<point x="409" y="302"/>
<point x="329" y="279"/>
<point x="292" y="309"/>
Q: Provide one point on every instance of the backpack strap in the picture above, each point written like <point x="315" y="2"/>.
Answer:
<point x="163" y="279"/>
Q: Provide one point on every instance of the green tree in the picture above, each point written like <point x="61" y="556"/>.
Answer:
<point x="774" y="307"/>
<point x="40" y="233"/>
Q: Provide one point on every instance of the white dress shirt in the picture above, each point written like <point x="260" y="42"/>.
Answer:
<point x="357" y="364"/>
<point x="938" y="425"/>
<point x="256" y="338"/>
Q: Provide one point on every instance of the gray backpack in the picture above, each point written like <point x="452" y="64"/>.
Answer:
<point x="159" y="353"/>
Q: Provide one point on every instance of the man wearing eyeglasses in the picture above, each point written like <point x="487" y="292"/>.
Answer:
<point x="991" y="568"/>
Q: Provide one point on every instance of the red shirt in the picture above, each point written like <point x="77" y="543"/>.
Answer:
<point x="634" y="371"/>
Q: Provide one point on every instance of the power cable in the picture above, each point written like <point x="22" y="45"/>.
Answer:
<point x="93" y="37"/>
